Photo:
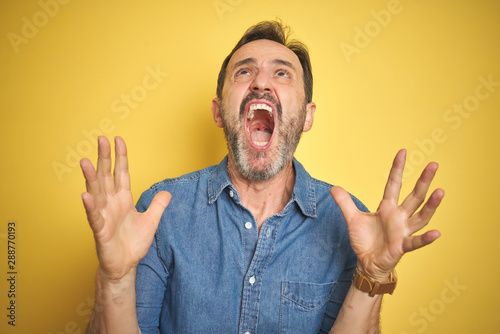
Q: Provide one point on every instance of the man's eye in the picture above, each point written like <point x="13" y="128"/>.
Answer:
<point x="243" y="72"/>
<point x="282" y="73"/>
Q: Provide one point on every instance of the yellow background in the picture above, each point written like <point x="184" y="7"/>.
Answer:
<point x="394" y="90"/>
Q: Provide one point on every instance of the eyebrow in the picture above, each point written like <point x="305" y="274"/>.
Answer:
<point x="284" y="63"/>
<point x="247" y="61"/>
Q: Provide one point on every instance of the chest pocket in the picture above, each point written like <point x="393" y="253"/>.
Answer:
<point x="303" y="306"/>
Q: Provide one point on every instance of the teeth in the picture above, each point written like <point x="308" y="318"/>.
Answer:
<point x="261" y="106"/>
<point x="260" y="143"/>
<point x="250" y="113"/>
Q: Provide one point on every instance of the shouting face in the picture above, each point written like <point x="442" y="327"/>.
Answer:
<point x="263" y="109"/>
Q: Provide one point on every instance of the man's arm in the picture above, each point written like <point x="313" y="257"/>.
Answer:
<point x="359" y="313"/>
<point x="114" y="309"/>
<point x="122" y="236"/>
<point x="380" y="239"/>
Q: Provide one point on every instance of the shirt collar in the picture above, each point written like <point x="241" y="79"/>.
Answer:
<point x="218" y="180"/>
<point x="303" y="191"/>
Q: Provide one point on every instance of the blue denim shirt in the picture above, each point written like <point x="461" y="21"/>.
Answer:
<point x="210" y="271"/>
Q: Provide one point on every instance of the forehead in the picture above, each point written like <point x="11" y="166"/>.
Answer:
<point x="264" y="50"/>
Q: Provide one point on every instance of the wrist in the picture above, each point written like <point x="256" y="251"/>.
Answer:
<point x="366" y="284"/>
<point x="375" y="275"/>
<point x="115" y="304"/>
<point x="115" y="283"/>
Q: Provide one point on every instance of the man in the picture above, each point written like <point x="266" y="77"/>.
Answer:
<point x="253" y="245"/>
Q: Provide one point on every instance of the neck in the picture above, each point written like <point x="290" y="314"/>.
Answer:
<point x="263" y="198"/>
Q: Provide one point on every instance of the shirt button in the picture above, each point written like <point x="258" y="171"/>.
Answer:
<point x="231" y="193"/>
<point x="248" y="225"/>
<point x="252" y="280"/>
<point x="247" y="332"/>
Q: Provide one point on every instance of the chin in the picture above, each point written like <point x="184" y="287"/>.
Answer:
<point x="259" y="166"/>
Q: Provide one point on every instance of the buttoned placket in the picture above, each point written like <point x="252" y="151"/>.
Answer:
<point x="253" y="279"/>
<point x="258" y="250"/>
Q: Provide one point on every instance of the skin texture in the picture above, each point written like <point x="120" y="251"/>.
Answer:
<point x="270" y="70"/>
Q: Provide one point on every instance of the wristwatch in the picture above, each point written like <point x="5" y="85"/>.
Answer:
<point x="365" y="284"/>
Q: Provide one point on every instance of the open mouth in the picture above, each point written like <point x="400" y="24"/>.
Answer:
<point x="259" y="123"/>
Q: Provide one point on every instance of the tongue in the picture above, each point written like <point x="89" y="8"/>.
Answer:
<point x="260" y="137"/>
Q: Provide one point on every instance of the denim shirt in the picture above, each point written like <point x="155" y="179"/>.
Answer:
<point x="209" y="270"/>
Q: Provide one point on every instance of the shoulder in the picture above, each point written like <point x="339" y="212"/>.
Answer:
<point x="185" y="180"/>
<point x="179" y="186"/>
<point x="323" y="191"/>
<point x="313" y="188"/>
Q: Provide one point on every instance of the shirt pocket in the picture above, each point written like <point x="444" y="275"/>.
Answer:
<point x="303" y="306"/>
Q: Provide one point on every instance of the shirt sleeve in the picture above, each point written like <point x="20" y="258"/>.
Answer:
<point x="151" y="282"/>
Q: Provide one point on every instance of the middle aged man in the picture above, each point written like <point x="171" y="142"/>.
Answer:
<point x="254" y="244"/>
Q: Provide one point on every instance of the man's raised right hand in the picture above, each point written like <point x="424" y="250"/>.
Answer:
<point x="122" y="234"/>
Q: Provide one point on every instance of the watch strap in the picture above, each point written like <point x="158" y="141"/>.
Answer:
<point x="363" y="283"/>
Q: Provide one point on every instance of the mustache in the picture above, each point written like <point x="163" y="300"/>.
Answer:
<point x="257" y="96"/>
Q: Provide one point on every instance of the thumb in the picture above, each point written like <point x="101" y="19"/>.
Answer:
<point x="158" y="205"/>
<point x="345" y="202"/>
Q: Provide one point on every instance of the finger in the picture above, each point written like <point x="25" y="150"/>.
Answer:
<point x="122" y="176"/>
<point x="412" y="243"/>
<point x="422" y="218"/>
<point x="89" y="173"/>
<point x="93" y="215"/>
<point x="417" y="196"/>
<point x="393" y="186"/>
<point x="345" y="203"/>
<point x="104" y="165"/>
<point x="157" y="206"/>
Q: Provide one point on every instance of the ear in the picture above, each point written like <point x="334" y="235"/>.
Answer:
<point x="216" y="112"/>
<point x="310" y="109"/>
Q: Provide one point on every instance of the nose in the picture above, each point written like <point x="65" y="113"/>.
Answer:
<point x="261" y="83"/>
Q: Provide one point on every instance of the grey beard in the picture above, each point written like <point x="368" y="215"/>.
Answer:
<point x="290" y="137"/>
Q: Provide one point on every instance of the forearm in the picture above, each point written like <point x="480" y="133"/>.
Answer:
<point x="114" y="309"/>
<point x="359" y="313"/>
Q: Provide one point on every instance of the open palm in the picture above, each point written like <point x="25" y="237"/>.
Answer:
<point x="381" y="238"/>
<point x="122" y="234"/>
